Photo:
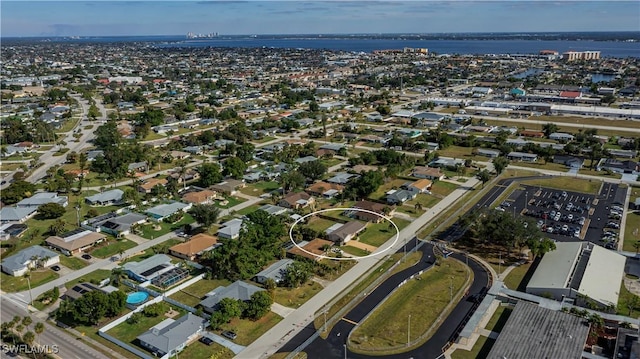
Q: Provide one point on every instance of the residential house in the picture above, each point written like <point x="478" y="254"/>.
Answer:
<point x="347" y="232"/>
<point x="450" y="163"/>
<point x="147" y="185"/>
<point x="9" y="230"/>
<point x="108" y="198"/>
<point x="306" y="159"/>
<point x="561" y="137"/>
<point x="80" y="289"/>
<point x="41" y="198"/>
<point x="421" y="185"/>
<point x="169" y="337"/>
<point x="166" y="210"/>
<point x="204" y="196"/>
<point x="16" y="215"/>
<point x="114" y="224"/>
<point x="149" y="268"/>
<point x="535" y="134"/>
<point x="194" y="247"/>
<point x="399" y="196"/>
<point x="75" y="241"/>
<point x="618" y="166"/>
<point x="569" y="161"/>
<point x="273" y="210"/>
<point x="237" y="290"/>
<point x="295" y="200"/>
<point x="324" y="189"/>
<point x="378" y="208"/>
<point x="310" y="250"/>
<point x="488" y="152"/>
<point x="230" y="229"/>
<point x="521" y="156"/>
<point x="275" y="272"/>
<point x="342" y="178"/>
<point x="31" y="257"/>
<point x="179" y="155"/>
<point x="623" y="153"/>
<point x="221" y="143"/>
<point x="138" y="167"/>
<point x="228" y="187"/>
<point x="189" y="174"/>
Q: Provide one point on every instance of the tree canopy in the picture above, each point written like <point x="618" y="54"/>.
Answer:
<point x="205" y="214"/>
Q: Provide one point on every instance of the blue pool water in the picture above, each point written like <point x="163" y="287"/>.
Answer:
<point x="137" y="297"/>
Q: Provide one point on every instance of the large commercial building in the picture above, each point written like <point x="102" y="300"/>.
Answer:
<point x="579" y="271"/>
<point x="581" y="55"/>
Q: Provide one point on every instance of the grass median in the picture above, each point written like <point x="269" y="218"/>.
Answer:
<point x="418" y="304"/>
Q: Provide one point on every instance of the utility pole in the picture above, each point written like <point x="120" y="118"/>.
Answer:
<point x="451" y="288"/>
<point x="325" y="320"/>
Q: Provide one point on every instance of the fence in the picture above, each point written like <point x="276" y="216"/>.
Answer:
<point x="184" y="285"/>
<point x="124" y="345"/>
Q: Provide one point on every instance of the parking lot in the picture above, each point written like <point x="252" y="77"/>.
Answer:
<point x="572" y="216"/>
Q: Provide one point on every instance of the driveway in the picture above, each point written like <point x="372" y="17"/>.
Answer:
<point x="235" y="348"/>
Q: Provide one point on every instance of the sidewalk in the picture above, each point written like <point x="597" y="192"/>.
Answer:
<point x="273" y="339"/>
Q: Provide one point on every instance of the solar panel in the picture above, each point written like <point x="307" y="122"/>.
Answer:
<point x="153" y="270"/>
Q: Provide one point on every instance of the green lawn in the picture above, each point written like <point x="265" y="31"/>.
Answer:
<point x="186" y="298"/>
<point x="155" y="230"/>
<point x="320" y="224"/>
<point x="18" y="284"/>
<point x="426" y="200"/>
<point x="198" y="350"/>
<point x="355" y="251"/>
<point x="566" y="183"/>
<point x="443" y="188"/>
<point x="516" y="276"/>
<point x="204" y="286"/>
<point x="377" y="234"/>
<point x="248" y="331"/>
<point x="460" y="152"/>
<point x="423" y="300"/>
<point x="250" y="209"/>
<point x="631" y="231"/>
<point x="330" y="162"/>
<point x="499" y="319"/>
<point x="623" y="300"/>
<point x="410" y="210"/>
<point x="258" y="188"/>
<point x="264" y="139"/>
<point x="295" y="297"/>
<point x="479" y="351"/>
<point x="231" y="202"/>
<point x="128" y="332"/>
<point x="112" y="247"/>
<point x="393" y="184"/>
<point x="550" y="166"/>
<point x="74" y="263"/>
<point x="95" y="276"/>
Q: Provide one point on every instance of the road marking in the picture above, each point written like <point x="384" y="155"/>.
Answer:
<point x="349" y="321"/>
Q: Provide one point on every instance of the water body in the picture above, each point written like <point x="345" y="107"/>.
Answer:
<point x="529" y="72"/>
<point x="481" y="47"/>
<point x="620" y="49"/>
<point x="595" y="78"/>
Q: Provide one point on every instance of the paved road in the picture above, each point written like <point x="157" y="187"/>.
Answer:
<point x="287" y="328"/>
<point x="70" y="347"/>
<point x="333" y="346"/>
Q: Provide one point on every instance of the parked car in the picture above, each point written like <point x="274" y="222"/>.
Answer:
<point x="55" y="268"/>
<point x="86" y="256"/>
<point x="206" y="340"/>
<point x="229" y="334"/>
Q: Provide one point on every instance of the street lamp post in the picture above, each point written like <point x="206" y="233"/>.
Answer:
<point x="409" y="330"/>
<point x="325" y="320"/>
<point x="30" y="295"/>
<point x="345" y="350"/>
<point x="451" y="288"/>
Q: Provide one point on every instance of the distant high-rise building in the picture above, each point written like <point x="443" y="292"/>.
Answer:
<point x="581" y="55"/>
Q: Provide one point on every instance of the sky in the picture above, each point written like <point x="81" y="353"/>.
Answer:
<point x="122" y="18"/>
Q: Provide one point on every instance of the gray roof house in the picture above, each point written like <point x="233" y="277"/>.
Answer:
<point x="347" y="232"/>
<point x="169" y="337"/>
<point x="30" y="257"/>
<point x="237" y="290"/>
<point x="149" y="268"/>
<point x="162" y="211"/>
<point x="114" y="224"/>
<point x="16" y="215"/>
<point x="276" y="271"/>
<point x="273" y="210"/>
<point x="107" y="198"/>
<point x="522" y="156"/>
<point x="401" y="196"/>
<point x="42" y="198"/>
<point x="230" y="229"/>
<point x="305" y="159"/>
<point x="342" y="178"/>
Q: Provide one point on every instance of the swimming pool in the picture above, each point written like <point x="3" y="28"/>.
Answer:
<point x="137" y="297"/>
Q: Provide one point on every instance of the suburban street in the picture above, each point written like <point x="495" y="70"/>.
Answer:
<point x="69" y="347"/>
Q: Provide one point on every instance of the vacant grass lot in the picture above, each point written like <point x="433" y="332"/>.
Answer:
<point x="631" y="231"/>
<point x="460" y="152"/>
<point x="248" y="331"/>
<point x="426" y="200"/>
<point x="549" y="166"/>
<point x="112" y="247"/>
<point x="74" y="263"/>
<point x="443" y="188"/>
<point x="12" y="284"/>
<point x="480" y="350"/>
<point x="378" y="233"/>
<point x="411" y="210"/>
<point x="567" y="184"/>
<point x="295" y="297"/>
<point x="424" y="300"/>
<point x="258" y="188"/>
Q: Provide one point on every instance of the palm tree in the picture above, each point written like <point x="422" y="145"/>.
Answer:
<point x="636" y="245"/>
<point x="39" y="329"/>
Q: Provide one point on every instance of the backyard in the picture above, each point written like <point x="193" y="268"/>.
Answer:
<point x="128" y="332"/>
<point x="198" y="350"/>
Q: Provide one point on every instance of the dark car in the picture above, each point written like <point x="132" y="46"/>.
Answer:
<point x="55" y="268"/>
<point x="229" y="334"/>
<point x="206" y="340"/>
<point x="86" y="256"/>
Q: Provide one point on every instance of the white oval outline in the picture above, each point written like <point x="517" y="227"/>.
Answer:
<point x="397" y="235"/>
